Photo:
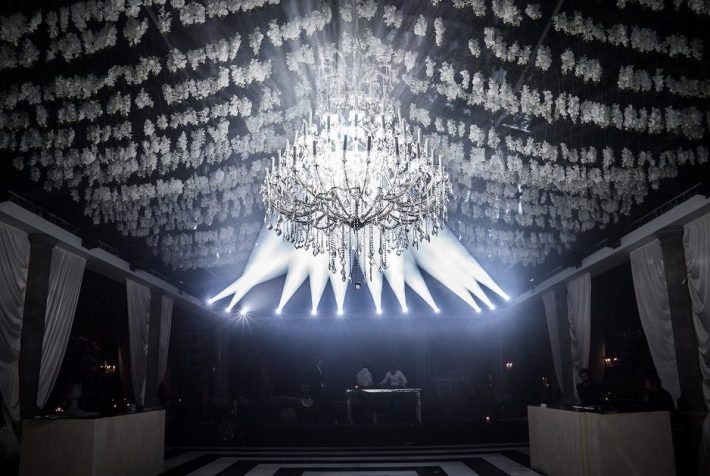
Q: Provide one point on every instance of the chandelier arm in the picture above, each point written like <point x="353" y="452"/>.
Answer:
<point x="374" y="202"/>
<point x="331" y="211"/>
<point x="342" y="206"/>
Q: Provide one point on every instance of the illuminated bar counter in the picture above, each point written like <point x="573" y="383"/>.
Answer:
<point x="565" y="442"/>
<point x="386" y="394"/>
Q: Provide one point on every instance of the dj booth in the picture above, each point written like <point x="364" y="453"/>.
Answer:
<point x="370" y="397"/>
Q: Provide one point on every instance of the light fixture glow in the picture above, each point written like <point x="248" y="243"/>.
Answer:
<point x="443" y="258"/>
<point x="314" y="312"/>
<point x="356" y="177"/>
<point x="278" y="310"/>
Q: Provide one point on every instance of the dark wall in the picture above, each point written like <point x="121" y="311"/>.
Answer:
<point x="615" y="317"/>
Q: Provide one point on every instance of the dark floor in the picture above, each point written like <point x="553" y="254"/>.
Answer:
<point x="455" y="460"/>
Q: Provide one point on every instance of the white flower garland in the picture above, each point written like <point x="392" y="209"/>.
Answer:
<point x="255" y="39"/>
<point x="255" y="71"/>
<point x="543" y="58"/>
<point x="134" y="30"/>
<point x="654" y="5"/>
<point x="33" y="139"/>
<point x="699" y="7"/>
<point x="640" y="80"/>
<point x="478" y="7"/>
<point x="420" y="26"/>
<point x="302" y="55"/>
<point x="584" y="68"/>
<point x="71" y="45"/>
<point x="23" y="58"/>
<point x="219" y="52"/>
<point x="507" y="11"/>
<point x="79" y="87"/>
<point x="644" y="40"/>
<point x="533" y="10"/>
<point x="165" y="21"/>
<point x="513" y="53"/>
<point x="494" y="96"/>
<point x="236" y="106"/>
<point x="393" y="17"/>
<point x="439" y="32"/>
<point x="17" y="26"/>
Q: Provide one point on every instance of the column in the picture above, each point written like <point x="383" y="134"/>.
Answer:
<point x="567" y="383"/>
<point x="421" y="346"/>
<point x="691" y="404"/>
<point x="220" y="376"/>
<point x="686" y="342"/>
<point x="35" y="310"/>
<point x="151" y="363"/>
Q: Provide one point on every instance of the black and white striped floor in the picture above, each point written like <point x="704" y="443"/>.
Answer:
<point x="458" y="460"/>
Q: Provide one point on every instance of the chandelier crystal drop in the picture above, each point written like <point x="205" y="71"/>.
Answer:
<point x="356" y="183"/>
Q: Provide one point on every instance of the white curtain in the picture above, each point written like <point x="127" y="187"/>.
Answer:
<point x="696" y="242"/>
<point x="65" y="275"/>
<point x="651" y="291"/>
<point x="138" y="320"/>
<point x="579" y="312"/>
<point x="548" y="300"/>
<point x="166" y="317"/>
<point x="14" y="262"/>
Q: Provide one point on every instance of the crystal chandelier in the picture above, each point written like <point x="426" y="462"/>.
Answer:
<point x="357" y="182"/>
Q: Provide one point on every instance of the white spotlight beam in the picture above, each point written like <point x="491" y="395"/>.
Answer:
<point x="318" y="277"/>
<point x="374" y="284"/>
<point x="395" y="277"/>
<point x="477" y="270"/>
<point x="477" y="291"/>
<point x="444" y="258"/>
<point x="339" y="286"/>
<point x="414" y="279"/>
<point x="451" y="278"/>
<point x="297" y="273"/>
<point x="255" y="276"/>
<point x="450" y="256"/>
<point x="269" y="258"/>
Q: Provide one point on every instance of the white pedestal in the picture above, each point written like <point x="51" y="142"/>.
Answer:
<point x="110" y="446"/>
<point x="564" y="442"/>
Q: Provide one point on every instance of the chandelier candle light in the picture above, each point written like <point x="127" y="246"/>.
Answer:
<point x="357" y="182"/>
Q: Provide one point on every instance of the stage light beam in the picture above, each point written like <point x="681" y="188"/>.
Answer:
<point x="444" y="258"/>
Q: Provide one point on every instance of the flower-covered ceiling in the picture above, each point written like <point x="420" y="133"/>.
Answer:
<point x="158" y="117"/>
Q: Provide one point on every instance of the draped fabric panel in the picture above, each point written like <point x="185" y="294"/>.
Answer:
<point x="14" y="263"/>
<point x="65" y="275"/>
<point x="696" y="242"/>
<point x="138" y="321"/>
<point x="651" y="291"/>
<point x="548" y="300"/>
<point x="579" y="313"/>
<point x="166" y="317"/>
